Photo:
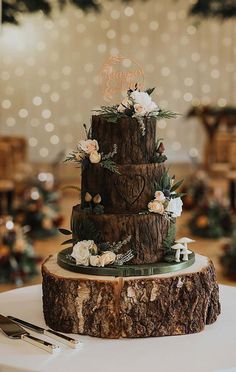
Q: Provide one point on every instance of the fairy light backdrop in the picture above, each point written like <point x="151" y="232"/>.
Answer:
<point x="49" y="71"/>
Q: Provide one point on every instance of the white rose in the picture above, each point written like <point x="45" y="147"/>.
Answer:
<point x="107" y="258"/>
<point x="88" y="146"/>
<point x="152" y="106"/>
<point x="175" y="206"/>
<point x="156" y="207"/>
<point x="82" y="251"/>
<point x="94" y="261"/>
<point x="159" y="196"/>
<point x="144" y="99"/>
<point x="95" y="157"/>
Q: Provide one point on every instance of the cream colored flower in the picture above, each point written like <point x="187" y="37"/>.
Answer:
<point x="94" y="261"/>
<point x="159" y="196"/>
<point x="95" y="157"/>
<point x="88" y="146"/>
<point x="139" y="109"/>
<point x="107" y="258"/>
<point x="156" y="207"/>
<point x="82" y="251"/>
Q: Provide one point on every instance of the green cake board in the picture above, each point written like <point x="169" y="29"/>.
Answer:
<point x="66" y="262"/>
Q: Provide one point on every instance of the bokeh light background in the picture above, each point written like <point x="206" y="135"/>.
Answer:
<point x="49" y="70"/>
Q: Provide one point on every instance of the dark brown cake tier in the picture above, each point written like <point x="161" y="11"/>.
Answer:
<point x="147" y="232"/>
<point x="133" y="147"/>
<point x="131" y="191"/>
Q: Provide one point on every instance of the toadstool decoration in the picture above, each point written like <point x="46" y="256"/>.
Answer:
<point x="185" y="252"/>
<point x="178" y="247"/>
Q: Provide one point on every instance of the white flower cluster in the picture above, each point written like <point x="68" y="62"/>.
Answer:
<point x="89" y="148"/>
<point x="85" y="253"/>
<point x="141" y="102"/>
<point x="161" y="204"/>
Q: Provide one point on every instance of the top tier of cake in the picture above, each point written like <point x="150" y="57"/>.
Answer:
<point x="133" y="147"/>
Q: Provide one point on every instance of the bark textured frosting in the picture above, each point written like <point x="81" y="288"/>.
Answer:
<point x="147" y="232"/>
<point x="133" y="148"/>
<point x="129" y="191"/>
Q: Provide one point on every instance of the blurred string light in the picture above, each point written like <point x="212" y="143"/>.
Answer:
<point x="66" y="86"/>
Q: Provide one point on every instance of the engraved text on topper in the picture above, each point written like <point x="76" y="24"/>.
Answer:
<point x="118" y="74"/>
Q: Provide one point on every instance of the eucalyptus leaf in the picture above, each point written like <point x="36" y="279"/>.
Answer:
<point x="65" y="231"/>
<point x="68" y="241"/>
<point x="176" y="185"/>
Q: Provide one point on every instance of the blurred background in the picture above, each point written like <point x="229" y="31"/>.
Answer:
<point x="51" y="57"/>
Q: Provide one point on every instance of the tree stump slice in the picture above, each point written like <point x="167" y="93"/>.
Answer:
<point x="176" y="303"/>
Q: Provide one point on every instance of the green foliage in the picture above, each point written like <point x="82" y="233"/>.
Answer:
<point x="110" y="165"/>
<point x="87" y="231"/>
<point x="64" y="231"/>
<point x="163" y="114"/>
<point x="98" y="209"/>
<point x="157" y="158"/>
<point x="170" y="237"/>
<point x="166" y="185"/>
<point x="222" y="9"/>
<point x="150" y="90"/>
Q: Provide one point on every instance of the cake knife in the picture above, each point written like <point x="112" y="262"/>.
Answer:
<point x="15" y="331"/>
<point x="69" y="341"/>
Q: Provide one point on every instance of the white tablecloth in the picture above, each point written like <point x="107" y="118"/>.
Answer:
<point x="214" y="349"/>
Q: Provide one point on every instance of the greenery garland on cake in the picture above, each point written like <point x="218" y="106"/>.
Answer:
<point x="138" y="105"/>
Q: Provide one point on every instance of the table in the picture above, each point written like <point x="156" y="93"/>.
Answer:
<point x="211" y="350"/>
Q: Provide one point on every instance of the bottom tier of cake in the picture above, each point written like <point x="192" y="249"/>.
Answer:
<point x="177" y="303"/>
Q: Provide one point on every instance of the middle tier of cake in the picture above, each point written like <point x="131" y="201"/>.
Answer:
<point x="147" y="232"/>
<point x="129" y="191"/>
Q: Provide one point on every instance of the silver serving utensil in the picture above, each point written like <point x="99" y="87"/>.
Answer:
<point x="69" y="341"/>
<point x="14" y="331"/>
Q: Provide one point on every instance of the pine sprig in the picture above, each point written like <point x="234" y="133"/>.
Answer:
<point x="162" y="114"/>
<point x="110" y="165"/>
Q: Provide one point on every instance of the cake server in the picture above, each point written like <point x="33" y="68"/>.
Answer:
<point x="14" y="331"/>
<point x="72" y="342"/>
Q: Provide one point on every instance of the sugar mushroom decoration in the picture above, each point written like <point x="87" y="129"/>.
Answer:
<point x="185" y="252"/>
<point x="178" y="247"/>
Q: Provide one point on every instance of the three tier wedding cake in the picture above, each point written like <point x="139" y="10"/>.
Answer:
<point x="124" y="273"/>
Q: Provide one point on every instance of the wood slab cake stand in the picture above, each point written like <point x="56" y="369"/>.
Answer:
<point x="176" y="303"/>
